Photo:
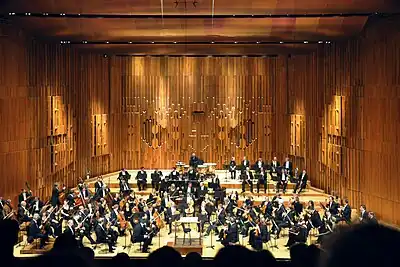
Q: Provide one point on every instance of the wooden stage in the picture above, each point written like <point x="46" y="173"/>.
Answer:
<point x="163" y="239"/>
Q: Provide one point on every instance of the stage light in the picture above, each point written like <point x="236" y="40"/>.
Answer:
<point x="306" y="42"/>
<point x="11" y="14"/>
<point x="107" y="42"/>
<point x="130" y="42"/>
<point x="212" y="42"/>
<point x="236" y="42"/>
<point x="152" y="42"/>
<point x="281" y="42"/>
<point x="174" y="42"/>
<point x="85" y="42"/>
<point x="258" y="42"/>
<point x="320" y="42"/>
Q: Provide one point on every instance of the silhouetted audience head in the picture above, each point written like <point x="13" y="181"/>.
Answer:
<point x="121" y="259"/>
<point x="65" y="242"/>
<point x="299" y="255"/>
<point x="193" y="259"/>
<point x="363" y="245"/>
<point x="266" y="257"/>
<point x="165" y="255"/>
<point x="314" y="253"/>
<point x="234" y="256"/>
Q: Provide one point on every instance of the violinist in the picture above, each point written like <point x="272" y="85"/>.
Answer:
<point x="262" y="180"/>
<point x="84" y="191"/>
<point x="345" y="212"/>
<point x="156" y="179"/>
<point x="141" y="178"/>
<point x="229" y="234"/>
<point x="65" y="211"/>
<point x="232" y="168"/>
<point x="104" y="234"/>
<point x="170" y="215"/>
<point x="35" y="232"/>
<point x="141" y="234"/>
<point x="332" y="206"/>
<point x="84" y="220"/>
<point x="23" y="213"/>
<point x="297" y="234"/>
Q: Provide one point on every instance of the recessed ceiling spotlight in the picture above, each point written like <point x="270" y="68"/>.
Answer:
<point x="258" y="42"/>
<point x="174" y="42"/>
<point x="27" y="14"/>
<point x="233" y="15"/>
<point x="320" y="42"/>
<point x="152" y="42"/>
<point x="85" y="42"/>
<point x="212" y="42"/>
<point x="11" y="14"/>
<point x="130" y="42"/>
<point x="281" y="42"/>
<point x="328" y="42"/>
<point x="306" y="42"/>
<point x="45" y="14"/>
<point x="62" y="14"/>
<point x="235" y="42"/>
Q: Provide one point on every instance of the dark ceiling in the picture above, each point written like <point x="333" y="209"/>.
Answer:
<point x="210" y="21"/>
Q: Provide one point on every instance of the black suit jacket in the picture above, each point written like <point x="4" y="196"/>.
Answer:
<point x="298" y="207"/>
<point x="346" y="213"/>
<point x="303" y="181"/>
<point x="101" y="234"/>
<point x="245" y="164"/>
<point x="141" y="176"/>
<point x="34" y="229"/>
<point x="277" y="165"/>
<point x="256" y="166"/>
<point x="138" y="233"/>
<point x="333" y="209"/>
<point x="232" y="165"/>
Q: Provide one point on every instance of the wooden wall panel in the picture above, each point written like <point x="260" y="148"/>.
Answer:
<point x="348" y="94"/>
<point x="161" y="95"/>
<point x="48" y="95"/>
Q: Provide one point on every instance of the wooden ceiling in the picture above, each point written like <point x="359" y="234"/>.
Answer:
<point x="187" y="30"/>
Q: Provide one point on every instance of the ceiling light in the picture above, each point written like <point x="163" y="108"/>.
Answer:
<point x="62" y="14"/>
<point x="27" y="14"/>
<point x="174" y="42"/>
<point x="152" y="42"/>
<point x="11" y="14"/>
<point x="45" y="14"/>
<point x="258" y="42"/>
<point x="85" y="42"/>
<point x="306" y="42"/>
<point x="281" y="42"/>
<point x="107" y="42"/>
<point x="130" y="42"/>
<point x="235" y="42"/>
<point x="328" y="42"/>
<point x="212" y="42"/>
<point x="320" y="42"/>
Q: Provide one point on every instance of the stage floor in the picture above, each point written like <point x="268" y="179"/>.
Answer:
<point x="163" y="239"/>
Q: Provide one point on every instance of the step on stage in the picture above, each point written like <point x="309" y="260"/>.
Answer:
<point x="201" y="244"/>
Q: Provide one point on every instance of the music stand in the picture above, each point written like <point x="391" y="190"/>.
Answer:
<point x="211" y="239"/>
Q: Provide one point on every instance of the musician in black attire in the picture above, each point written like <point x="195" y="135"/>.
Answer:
<point x="287" y="165"/>
<point x="297" y="234"/>
<point x="34" y="231"/>
<point x="284" y="219"/>
<point x="55" y="194"/>
<point x="301" y="182"/>
<point x="23" y="213"/>
<point x="123" y="178"/>
<point x="259" y="165"/>
<point x="333" y="207"/>
<point x="36" y="205"/>
<point x="140" y="235"/>
<point x="245" y="164"/>
<point x="194" y="161"/>
<point x="100" y="190"/>
<point x="192" y="174"/>
<point x="282" y="181"/>
<point x="363" y="214"/>
<point x="141" y="178"/>
<point x="229" y="235"/>
<point x="156" y="179"/>
<point x="232" y="168"/>
<point x="247" y="178"/>
<point x="104" y="235"/>
<point x="24" y="196"/>
<point x="174" y="174"/>
<point x="297" y="206"/>
<point x="346" y="212"/>
<point x="371" y="218"/>
<point x="262" y="180"/>
<point x="275" y="165"/>
<point x="84" y="219"/>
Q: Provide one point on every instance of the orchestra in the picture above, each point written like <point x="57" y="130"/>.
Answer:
<point x="183" y="193"/>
